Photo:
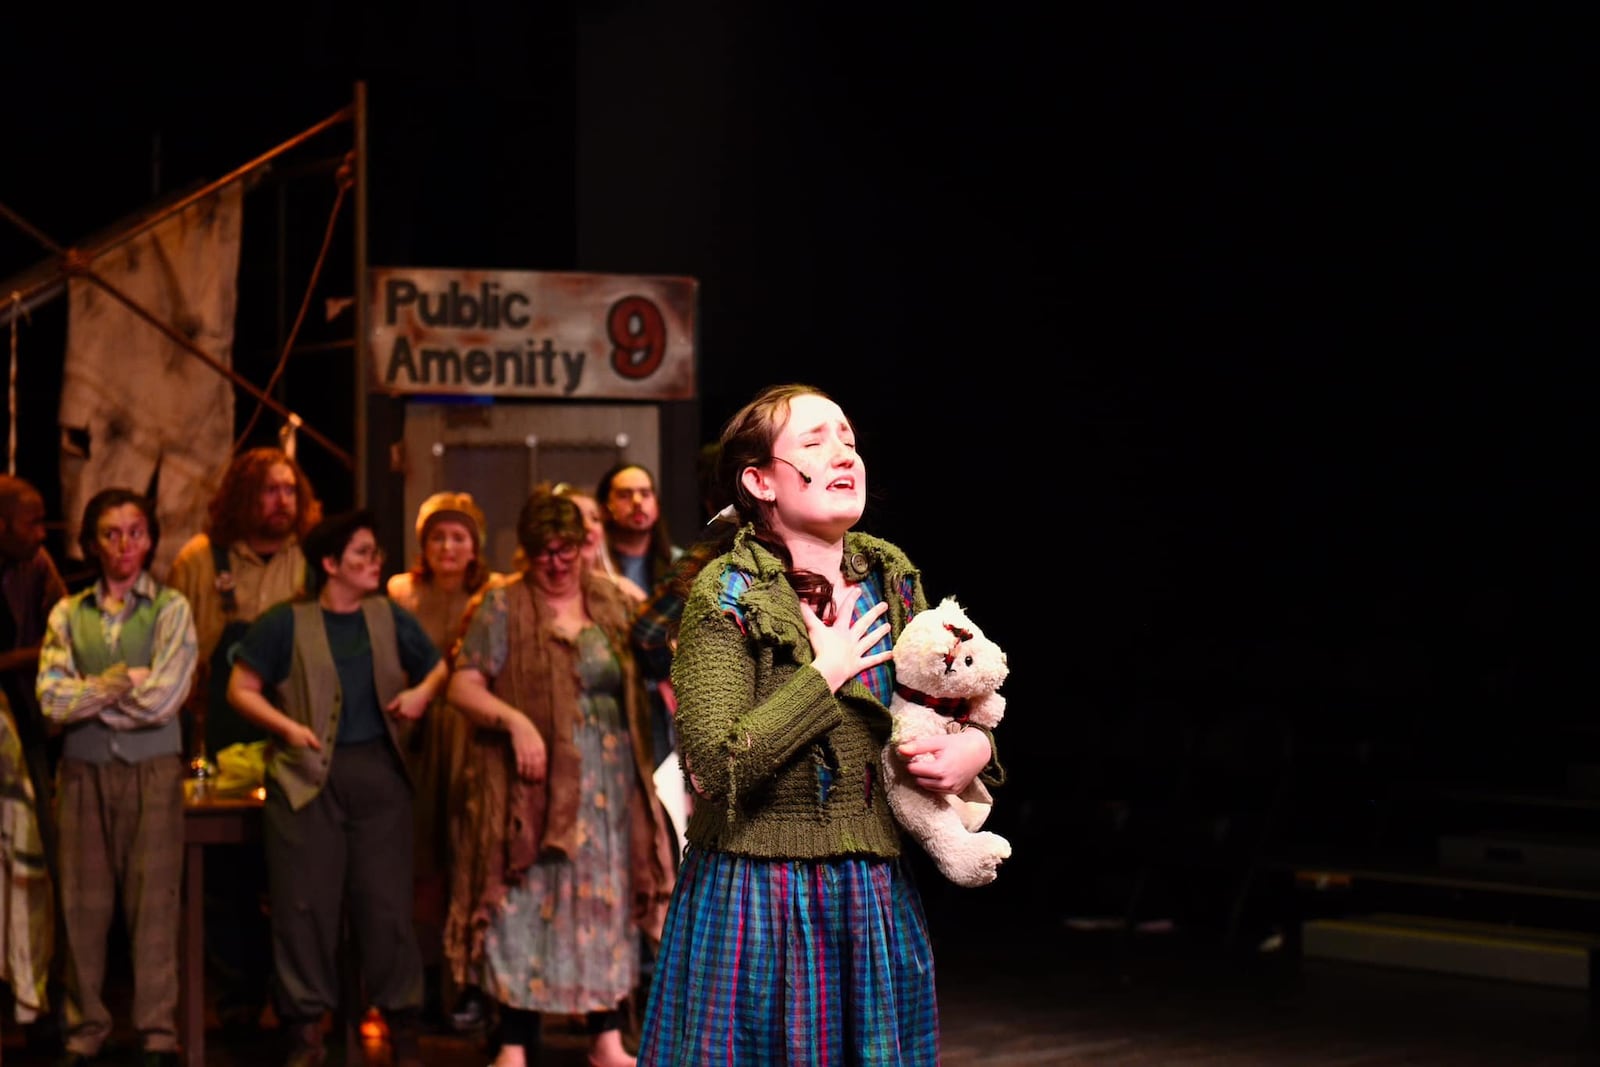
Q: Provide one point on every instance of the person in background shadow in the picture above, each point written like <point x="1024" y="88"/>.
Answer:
<point x="116" y="664"/>
<point x="448" y="572"/>
<point x="793" y="889"/>
<point x="347" y="670"/>
<point x="30" y="585"/>
<point x="574" y="849"/>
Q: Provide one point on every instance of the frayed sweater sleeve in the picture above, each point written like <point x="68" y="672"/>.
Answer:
<point x="729" y="741"/>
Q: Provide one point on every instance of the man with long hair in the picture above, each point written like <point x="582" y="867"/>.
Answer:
<point x="246" y="559"/>
<point x="636" y="534"/>
<point x="254" y="523"/>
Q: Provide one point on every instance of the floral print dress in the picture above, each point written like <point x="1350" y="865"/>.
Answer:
<point x="563" y="939"/>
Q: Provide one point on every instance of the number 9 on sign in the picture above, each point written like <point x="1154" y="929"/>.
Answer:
<point x="638" y="337"/>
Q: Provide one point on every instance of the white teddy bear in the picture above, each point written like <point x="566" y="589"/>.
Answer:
<point x="946" y="674"/>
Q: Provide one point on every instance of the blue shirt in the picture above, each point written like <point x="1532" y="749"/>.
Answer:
<point x="268" y="649"/>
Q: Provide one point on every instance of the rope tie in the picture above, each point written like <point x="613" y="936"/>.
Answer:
<point x="17" y="311"/>
<point x="287" y="432"/>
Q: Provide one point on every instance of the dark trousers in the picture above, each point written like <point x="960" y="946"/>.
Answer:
<point x="346" y="854"/>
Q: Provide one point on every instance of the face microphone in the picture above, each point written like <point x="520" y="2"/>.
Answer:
<point x="804" y="477"/>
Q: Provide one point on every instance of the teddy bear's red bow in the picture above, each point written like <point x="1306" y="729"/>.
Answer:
<point x="949" y="707"/>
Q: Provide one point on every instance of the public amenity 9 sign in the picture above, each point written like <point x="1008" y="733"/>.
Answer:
<point x="536" y="334"/>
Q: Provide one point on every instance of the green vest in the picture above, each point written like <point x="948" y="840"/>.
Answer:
<point x="91" y="740"/>
<point x="311" y="695"/>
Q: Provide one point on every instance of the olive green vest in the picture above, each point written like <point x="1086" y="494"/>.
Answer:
<point x="311" y="695"/>
<point x="91" y="740"/>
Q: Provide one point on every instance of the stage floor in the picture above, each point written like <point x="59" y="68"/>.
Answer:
<point x="1045" y="994"/>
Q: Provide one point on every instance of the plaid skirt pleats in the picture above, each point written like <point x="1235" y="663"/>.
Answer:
<point x="789" y="962"/>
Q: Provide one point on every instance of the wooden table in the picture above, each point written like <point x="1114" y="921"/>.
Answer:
<point x="208" y="819"/>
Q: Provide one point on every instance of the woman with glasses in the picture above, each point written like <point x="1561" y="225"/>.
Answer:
<point x="336" y="678"/>
<point x="594" y="552"/>
<point x="572" y="847"/>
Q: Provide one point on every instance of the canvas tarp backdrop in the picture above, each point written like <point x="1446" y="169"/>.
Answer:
<point x="133" y="402"/>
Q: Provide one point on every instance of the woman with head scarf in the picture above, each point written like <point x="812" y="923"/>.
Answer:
<point x="448" y="572"/>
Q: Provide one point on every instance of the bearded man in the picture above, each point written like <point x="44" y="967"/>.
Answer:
<point x="247" y="559"/>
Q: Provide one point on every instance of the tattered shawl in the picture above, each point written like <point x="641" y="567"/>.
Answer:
<point x="507" y="823"/>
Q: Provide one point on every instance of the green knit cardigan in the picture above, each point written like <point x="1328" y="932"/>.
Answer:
<point x="757" y="729"/>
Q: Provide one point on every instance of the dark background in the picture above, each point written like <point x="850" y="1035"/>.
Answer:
<point x="1219" y="360"/>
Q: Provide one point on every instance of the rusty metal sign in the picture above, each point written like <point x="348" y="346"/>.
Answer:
<point x="534" y="334"/>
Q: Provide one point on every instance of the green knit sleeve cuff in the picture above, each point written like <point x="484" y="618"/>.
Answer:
<point x="993" y="774"/>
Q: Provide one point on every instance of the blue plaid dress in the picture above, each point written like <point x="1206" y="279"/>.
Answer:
<point x="794" y="962"/>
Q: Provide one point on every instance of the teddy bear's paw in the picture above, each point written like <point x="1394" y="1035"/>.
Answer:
<point x="980" y="873"/>
<point x="978" y="861"/>
<point x="997" y="846"/>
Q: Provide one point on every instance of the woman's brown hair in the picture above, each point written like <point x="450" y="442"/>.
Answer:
<point x="746" y="441"/>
